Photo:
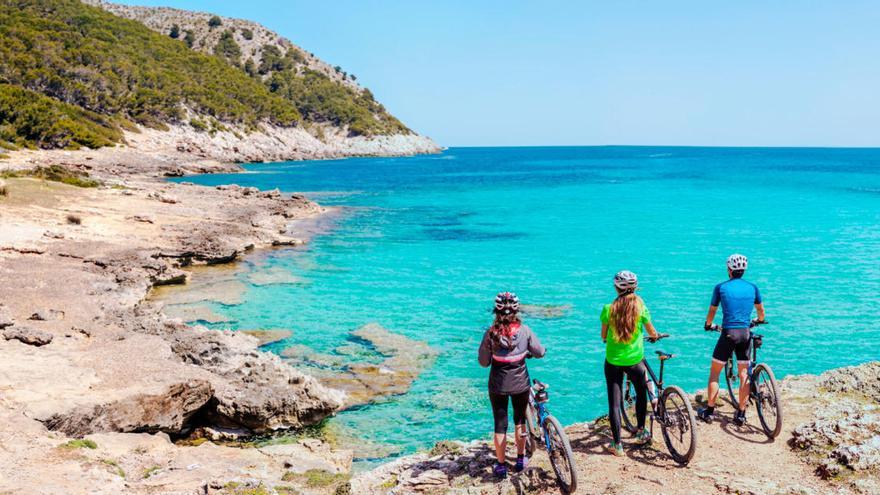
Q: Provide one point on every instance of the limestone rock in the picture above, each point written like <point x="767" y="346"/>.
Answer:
<point x="6" y="319"/>
<point x="309" y="454"/>
<point x="169" y="412"/>
<point x="28" y="335"/>
<point x="255" y="390"/>
<point x="47" y="315"/>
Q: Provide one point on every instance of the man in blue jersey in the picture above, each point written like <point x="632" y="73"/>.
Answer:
<point x="737" y="297"/>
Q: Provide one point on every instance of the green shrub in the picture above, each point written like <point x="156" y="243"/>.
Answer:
<point x="198" y="124"/>
<point x="151" y="471"/>
<point x="175" y="31"/>
<point x="316" y="478"/>
<point x="80" y="444"/>
<point x="227" y="49"/>
<point x="272" y="60"/>
<point x="189" y="39"/>
<point x="30" y="119"/>
<point x="214" y="21"/>
<point x="115" y="466"/>
<point x="55" y="173"/>
<point x="247" y="34"/>
<point x="250" y="67"/>
<point x="320" y="99"/>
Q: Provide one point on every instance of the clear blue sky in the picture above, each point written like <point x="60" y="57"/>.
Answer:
<point x="471" y="73"/>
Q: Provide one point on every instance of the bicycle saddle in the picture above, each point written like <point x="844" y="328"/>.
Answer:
<point x="663" y="355"/>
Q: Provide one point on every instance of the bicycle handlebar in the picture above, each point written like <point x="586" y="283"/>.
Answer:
<point x="752" y="324"/>
<point x="660" y="336"/>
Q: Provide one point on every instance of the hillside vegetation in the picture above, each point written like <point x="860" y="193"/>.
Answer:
<point x="75" y="75"/>
<point x="321" y="92"/>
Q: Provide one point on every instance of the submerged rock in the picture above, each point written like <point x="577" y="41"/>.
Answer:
<point x="545" y="311"/>
<point x="266" y="337"/>
<point x="273" y="276"/>
<point x="396" y="362"/>
<point x="194" y="312"/>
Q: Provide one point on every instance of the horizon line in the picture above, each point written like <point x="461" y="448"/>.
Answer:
<point x="665" y="146"/>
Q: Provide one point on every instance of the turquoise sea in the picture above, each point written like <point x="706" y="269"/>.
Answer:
<point x="422" y="245"/>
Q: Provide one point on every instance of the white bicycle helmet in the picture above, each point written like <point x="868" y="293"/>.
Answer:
<point x="737" y="262"/>
<point x="506" y="303"/>
<point x="626" y="280"/>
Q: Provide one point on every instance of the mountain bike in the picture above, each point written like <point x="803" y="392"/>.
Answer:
<point x="763" y="391"/>
<point x="542" y="426"/>
<point x="670" y="407"/>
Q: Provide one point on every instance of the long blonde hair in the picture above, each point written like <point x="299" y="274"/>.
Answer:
<point x="625" y="313"/>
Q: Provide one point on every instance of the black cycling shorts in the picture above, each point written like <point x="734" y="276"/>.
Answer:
<point x="732" y="340"/>
<point x="499" y="409"/>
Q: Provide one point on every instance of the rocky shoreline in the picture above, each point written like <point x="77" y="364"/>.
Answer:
<point x="86" y="354"/>
<point x="98" y="382"/>
<point x="830" y="445"/>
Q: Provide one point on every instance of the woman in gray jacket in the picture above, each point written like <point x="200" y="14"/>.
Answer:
<point x="505" y="347"/>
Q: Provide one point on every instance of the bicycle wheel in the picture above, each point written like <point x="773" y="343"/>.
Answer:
<point x="678" y="425"/>
<point x="561" y="457"/>
<point x="768" y="402"/>
<point x="533" y="430"/>
<point x="628" y="406"/>
<point x="731" y="374"/>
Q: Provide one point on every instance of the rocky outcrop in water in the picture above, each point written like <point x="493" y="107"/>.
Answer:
<point x="545" y="311"/>
<point x="257" y="390"/>
<point x="375" y="364"/>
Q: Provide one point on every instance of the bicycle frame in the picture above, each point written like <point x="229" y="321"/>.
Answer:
<point x="658" y="382"/>
<point x="541" y="408"/>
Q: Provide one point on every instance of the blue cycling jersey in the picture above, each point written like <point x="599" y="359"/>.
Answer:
<point x="737" y="297"/>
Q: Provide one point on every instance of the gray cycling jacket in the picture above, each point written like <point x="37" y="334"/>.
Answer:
<point x="508" y="374"/>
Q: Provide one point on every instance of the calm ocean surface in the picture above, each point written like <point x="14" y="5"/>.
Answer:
<point x="424" y="243"/>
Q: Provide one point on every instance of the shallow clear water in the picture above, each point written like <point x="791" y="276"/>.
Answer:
<point x="424" y="243"/>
